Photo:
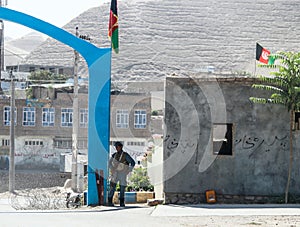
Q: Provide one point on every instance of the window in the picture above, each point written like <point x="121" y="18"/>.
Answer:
<point x="136" y="144"/>
<point x="6" y="116"/>
<point x="28" y="116"/>
<point x="66" y="117"/>
<point x="13" y="68"/>
<point x="112" y="143"/>
<point x="5" y="143"/>
<point x="48" y="116"/>
<point x="31" y="69"/>
<point x="83" y="118"/>
<point x="222" y="139"/>
<point x="140" y="119"/>
<point x="82" y="144"/>
<point x="34" y="143"/>
<point x="23" y="85"/>
<point x="63" y="144"/>
<point x="122" y="119"/>
<point x="296" y="125"/>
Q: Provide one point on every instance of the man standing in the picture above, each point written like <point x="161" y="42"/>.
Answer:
<point x="120" y="164"/>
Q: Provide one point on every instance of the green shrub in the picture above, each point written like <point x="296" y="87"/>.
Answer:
<point x="139" y="180"/>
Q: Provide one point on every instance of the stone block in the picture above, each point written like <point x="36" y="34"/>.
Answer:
<point x="142" y="197"/>
<point x="249" y="198"/>
<point x="155" y="202"/>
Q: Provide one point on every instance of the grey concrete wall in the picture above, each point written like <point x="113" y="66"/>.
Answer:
<point x="259" y="163"/>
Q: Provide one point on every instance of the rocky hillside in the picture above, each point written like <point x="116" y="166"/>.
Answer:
<point x="15" y="50"/>
<point x="161" y="37"/>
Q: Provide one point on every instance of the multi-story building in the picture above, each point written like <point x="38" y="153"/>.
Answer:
<point x="130" y="122"/>
<point x="43" y="126"/>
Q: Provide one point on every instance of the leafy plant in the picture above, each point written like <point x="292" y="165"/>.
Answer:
<point x="29" y="93"/>
<point x="45" y="76"/>
<point x="284" y="87"/>
<point x="154" y="113"/>
<point x="139" y="180"/>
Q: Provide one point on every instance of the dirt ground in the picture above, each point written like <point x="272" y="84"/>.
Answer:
<point x="238" y="221"/>
<point x="205" y="221"/>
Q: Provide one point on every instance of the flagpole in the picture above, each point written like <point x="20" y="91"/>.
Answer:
<point x="254" y="67"/>
<point x="255" y="60"/>
<point x="111" y="24"/>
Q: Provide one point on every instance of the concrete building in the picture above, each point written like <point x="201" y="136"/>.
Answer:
<point x="34" y="68"/>
<point x="130" y="120"/>
<point x="43" y="128"/>
<point x="216" y="139"/>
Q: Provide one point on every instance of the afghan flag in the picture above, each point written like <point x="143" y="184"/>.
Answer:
<point x="263" y="55"/>
<point x="113" y="31"/>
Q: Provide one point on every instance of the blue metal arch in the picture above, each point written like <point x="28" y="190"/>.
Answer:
<point x="89" y="52"/>
<point x="99" y="63"/>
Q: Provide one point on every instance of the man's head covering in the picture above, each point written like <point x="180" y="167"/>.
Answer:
<point x="118" y="144"/>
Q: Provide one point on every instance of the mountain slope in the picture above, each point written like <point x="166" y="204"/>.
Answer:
<point x="15" y="50"/>
<point x="160" y="37"/>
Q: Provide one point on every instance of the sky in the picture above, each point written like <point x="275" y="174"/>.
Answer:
<point x="56" y="12"/>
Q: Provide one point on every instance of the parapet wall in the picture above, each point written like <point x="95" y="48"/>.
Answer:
<point x="33" y="179"/>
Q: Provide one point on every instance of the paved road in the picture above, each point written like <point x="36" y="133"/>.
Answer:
<point x="161" y="215"/>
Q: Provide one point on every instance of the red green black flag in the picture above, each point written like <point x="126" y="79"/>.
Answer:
<point x="262" y="55"/>
<point x="113" y="31"/>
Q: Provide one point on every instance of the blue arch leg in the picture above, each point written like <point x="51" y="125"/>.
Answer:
<point x="99" y="63"/>
<point x="99" y="123"/>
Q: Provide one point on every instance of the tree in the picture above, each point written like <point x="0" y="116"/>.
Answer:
<point x="154" y="113"/>
<point x="284" y="87"/>
<point x="140" y="180"/>
<point x="45" y="76"/>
